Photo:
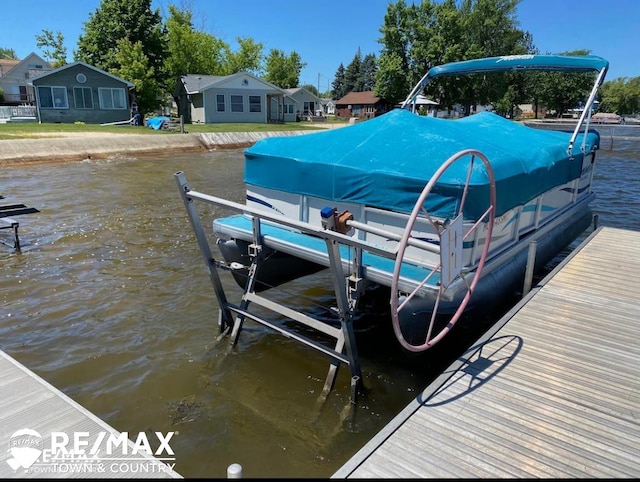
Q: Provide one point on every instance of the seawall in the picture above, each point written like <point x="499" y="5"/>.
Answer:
<point x="100" y="146"/>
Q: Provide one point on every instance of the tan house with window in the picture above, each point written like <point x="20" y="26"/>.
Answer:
<point x="15" y="76"/>
<point x="363" y="105"/>
<point x="80" y="92"/>
<point x="240" y="97"/>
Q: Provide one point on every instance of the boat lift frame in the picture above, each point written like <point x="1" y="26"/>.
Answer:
<point x="347" y="288"/>
<point x="7" y="222"/>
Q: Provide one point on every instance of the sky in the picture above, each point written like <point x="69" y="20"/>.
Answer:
<point x="328" y="33"/>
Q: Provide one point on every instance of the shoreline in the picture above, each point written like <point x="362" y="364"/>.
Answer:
<point x="93" y="146"/>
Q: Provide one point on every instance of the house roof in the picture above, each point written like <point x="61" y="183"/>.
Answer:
<point x="196" y="83"/>
<point x="74" y="64"/>
<point x="6" y="65"/>
<point x="359" y="98"/>
<point x="295" y="90"/>
<point x="422" y="100"/>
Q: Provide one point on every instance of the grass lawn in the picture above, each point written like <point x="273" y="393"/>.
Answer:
<point x="26" y="130"/>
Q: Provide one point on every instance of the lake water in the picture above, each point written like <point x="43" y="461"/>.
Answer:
<point x="110" y="302"/>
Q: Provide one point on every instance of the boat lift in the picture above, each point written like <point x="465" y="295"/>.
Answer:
<point x="7" y="221"/>
<point x="348" y="272"/>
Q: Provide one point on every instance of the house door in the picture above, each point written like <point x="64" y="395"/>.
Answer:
<point x="275" y="108"/>
<point x="309" y="108"/>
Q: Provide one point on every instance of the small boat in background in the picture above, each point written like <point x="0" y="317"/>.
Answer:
<point x="606" y="118"/>
<point x="442" y="212"/>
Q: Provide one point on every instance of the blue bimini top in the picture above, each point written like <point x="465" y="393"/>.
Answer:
<point x="386" y="162"/>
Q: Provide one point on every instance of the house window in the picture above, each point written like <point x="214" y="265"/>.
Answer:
<point x="255" y="103"/>
<point x="237" y="103"/>
<point x="24" y="96"/>
<point x="112" y="98"/>
<point x="53" y="97"/>
<point x="220" y="107"/>
<point x="288" y="109"/>
<point x="82" y="97"/>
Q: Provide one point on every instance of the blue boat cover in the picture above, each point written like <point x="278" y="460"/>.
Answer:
<point x="386" y="162"/>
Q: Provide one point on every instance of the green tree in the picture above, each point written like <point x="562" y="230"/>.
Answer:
<point x="249" y="57"/>
<point x="621" y="96"/>
<point x="132" y="20"/>
<point x="283" y="70"/>
<point x="8" y="54"/>
<point x="490" y="29"/>
<point x="446" y="43"/>
<point x="191" y="51"/>
<point x="427" y="39"/>
<point x="417" y="37"/>
<point x="55" y="52"/>
<point x="560" y="91"/>
<point x="338" y="83"/>
<point x="311" y="88"/>
<point x="393" y="76"/>
<point x="353" y="81"/>
<point x="368" y="72"/>
<point x="134" y="67"/>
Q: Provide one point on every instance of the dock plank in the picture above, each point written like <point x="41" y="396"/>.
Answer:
<point x="553" y="390"/>
<point x="29" y="402"/>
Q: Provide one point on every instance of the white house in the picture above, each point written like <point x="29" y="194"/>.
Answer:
<point x="329" y="106"/>
<point x="15" y="76"/>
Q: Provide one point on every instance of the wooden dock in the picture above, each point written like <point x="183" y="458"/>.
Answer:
<point x="552" y="390"/>
<point x="32" y="411"/>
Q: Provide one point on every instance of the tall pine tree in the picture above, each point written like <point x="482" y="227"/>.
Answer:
<point x="338" y="83"/>
<point x="352" y="77"/>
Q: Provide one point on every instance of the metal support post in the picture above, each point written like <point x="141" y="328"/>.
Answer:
<point x="346" y="315"/>
<point x="194" y="217"/>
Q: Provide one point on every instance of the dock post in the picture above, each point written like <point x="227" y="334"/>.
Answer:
<point x="234" y="471"/>
<point x="595" y="222"/>
<point x="531" y="260"/>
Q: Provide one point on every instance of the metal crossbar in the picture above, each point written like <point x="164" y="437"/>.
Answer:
<point x="344" y="350"/>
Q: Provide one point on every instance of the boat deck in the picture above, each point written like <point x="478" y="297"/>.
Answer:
<point x="311" y="248"/>
<point x="553" y="390"/>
